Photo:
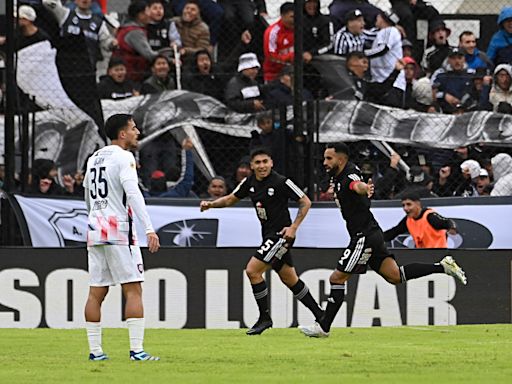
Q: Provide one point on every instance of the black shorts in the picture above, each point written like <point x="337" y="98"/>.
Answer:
<point x="275" y="250"/>
<point x="364" y="250"/>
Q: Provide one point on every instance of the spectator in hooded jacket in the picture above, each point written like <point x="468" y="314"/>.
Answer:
<point x="436" y="53"/>
<point x="203" y="78"/>
<point x="502" y="171"/>
<point x="500" y="95"/>
<point x="243" y="93"/>
<point x="500" y="46"/>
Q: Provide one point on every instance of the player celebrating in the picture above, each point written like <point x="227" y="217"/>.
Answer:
<point x="269" y="192"/>
<point x="366" y="246"/>
<point x="112" y="196"/>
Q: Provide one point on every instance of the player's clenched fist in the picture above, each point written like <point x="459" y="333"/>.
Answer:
<point x="205" y="205"/>
<point x="153" y="242"/>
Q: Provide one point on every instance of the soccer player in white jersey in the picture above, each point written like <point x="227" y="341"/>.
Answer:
<point x="112" y="196"/>
<point x="385" y="52"/>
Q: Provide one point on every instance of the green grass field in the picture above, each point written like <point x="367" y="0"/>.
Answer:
<point x="458" y="354"/>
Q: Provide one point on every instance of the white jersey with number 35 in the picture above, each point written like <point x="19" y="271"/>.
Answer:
<point x="110" y="216"/>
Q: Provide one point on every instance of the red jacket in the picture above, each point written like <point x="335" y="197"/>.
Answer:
<point x="278" y="49"/>
<point x="136" y="65"/>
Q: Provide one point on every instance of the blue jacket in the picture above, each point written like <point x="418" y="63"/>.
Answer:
<point x="501" y="39"/>
<point x="479" y="60"/>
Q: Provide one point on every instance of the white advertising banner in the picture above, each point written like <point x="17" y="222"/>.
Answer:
<point x="62" y="222"/>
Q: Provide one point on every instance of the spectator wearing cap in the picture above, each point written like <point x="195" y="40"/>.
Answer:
<point x="483" y="185"/>
<point x="474" y="57"/>
<point x="353" y="36"/>
<point x="195" y="34"/>
<point x="407" y="48"/>
<point x="115" y="85"/>
<point x="502" y="171"/>
<point x="174" y="182"/>
<point x="278" y="43"/>
<point x="427" y="227"/>
<point x="385" y="54"/>
<point x="418" y="91"/>
<point x="339" y="8"/>
<point x="81" y="20"/>
<point x="29" y="32"/>
<point x="243" y="93"/>
<point x="203" y="77"/>
<point x="500" y="95"/>
<point x="436" y="53"/>
<point x="160" y="79"/>
<point x="453" y="85"/>
<point x="470" y="172"/>
<point x="134" y="48"/>
<point x="500" y="46"/>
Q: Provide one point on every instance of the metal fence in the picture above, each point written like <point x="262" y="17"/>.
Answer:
<point x="74" y="65"/>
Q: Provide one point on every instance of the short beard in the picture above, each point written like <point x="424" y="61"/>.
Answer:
<point x="333" y="171"/>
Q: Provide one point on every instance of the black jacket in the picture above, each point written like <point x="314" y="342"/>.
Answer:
<point x="240" y="93"/>
<point x="317" y="34"/>
<point x="211" y="85"/>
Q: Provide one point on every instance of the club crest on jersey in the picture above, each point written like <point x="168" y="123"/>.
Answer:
<point x="270" y="191"/>
<point x="251" y="189"/>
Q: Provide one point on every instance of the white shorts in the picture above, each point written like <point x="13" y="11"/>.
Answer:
<point x="114" y="264"/>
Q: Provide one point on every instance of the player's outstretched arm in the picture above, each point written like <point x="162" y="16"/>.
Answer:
<point x="362" y="188"/>
<point x="221" y="202"/>
<point x="304" y="205"/>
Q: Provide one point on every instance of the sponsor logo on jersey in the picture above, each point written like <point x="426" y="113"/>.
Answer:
<point x="100" y="204"/>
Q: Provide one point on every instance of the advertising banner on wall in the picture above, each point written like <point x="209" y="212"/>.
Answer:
<point x="207" y="288"/>
<point x="482" y="223"/>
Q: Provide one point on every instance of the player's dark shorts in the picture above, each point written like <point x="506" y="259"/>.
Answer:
<point x="363" y="250"/>
<point x="275" y="250"/>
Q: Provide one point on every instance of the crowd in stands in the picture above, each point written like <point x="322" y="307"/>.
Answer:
<point x="227" y="50"/>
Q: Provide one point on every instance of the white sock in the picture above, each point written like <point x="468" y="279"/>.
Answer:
<point x="94" y="337"/>
<point x="136" y="333"/>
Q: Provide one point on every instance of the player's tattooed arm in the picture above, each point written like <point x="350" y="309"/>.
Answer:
<point x="221" y="202"/>
<point x="304" y="205"/>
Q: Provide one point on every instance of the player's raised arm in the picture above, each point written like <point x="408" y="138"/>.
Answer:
<point x="362" y="188"/>
<point x="221" y="202"/>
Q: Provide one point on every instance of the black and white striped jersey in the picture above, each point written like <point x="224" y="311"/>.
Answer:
<point x="355" y="208"/>
<point x="346" y="42"/>
<point x="270" y="199"/>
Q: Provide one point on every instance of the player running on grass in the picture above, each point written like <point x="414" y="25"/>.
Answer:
<point x="269" y="192"/>
<point x="112" y="196"/>
<point x="366" y="246"/>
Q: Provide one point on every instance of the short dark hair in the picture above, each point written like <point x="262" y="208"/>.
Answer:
<point x="465" y="33"/>
<point x="260" y="151"/>
<point x="160" y="56"/>
<point x="202" y="52"/>
<point x="193" y="2"/>
<point x="286" y="7"/>
<point x="339" y="147"/>
<point x="135" y="8"/>
<point x="218" y="177"/>
<point x="115" y="124"/>
<point x="262" y="116"/>
<point x="151" y="2"/>
<point x="410" y="195"/>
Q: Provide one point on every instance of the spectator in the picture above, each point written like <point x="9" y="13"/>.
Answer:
<point x="317" y="29"/>
<point x="134" y="48"/>
<point x="481" y="89"/>
<point x="500" y="46"/>
<point x="436" y="53"/>
<point x="242" y="92"/>
<point x="81" y="20"/>
<point x="162" y="33"/>
<point x="166" y="184"/>
<point x="211" y="12"/>
<point x="242" y="11"/>
<point x="203" y="78"/>
<point x="385" y="52"/>
<point x="470" y="173"/>
<point x="44" y="174"/>
<point x="419" y="182"/>
<point x="392" y="182"/>
<point x="483" y="185"/>
<point x="280" y="92"/>
<point x="502" y="171"/>
<point x="453" y="86"/>
<point x="115" y="85"/>
<point x="353" y="37"/>
<point x="29" y="32"/>
<point x="474" y="57"/>
<point x="243" y="170"/>
<point x="217" y="188"/>
<point x="407" y="48"/>
<point x="446" y="181"/>
<point x="500" y="95"/>
<point x="278" y="43"/>
<point x="339" y="8"/>
<point x="418" y="92"/>
<point x="194" y="32"/>
<point x="160" y="79"/>
<point x="95" y="7"/>
<point x="427" y="227"/>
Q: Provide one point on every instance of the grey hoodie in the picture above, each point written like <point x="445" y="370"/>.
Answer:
<point x="498" y="95"/>
<point x="502" y="170"/>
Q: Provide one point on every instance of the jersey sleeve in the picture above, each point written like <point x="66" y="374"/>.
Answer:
<point x="292" y="190"/>
<point x="352" y="179"/>
<point x="128" y="168"/>
<point x="242" y="190"/>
